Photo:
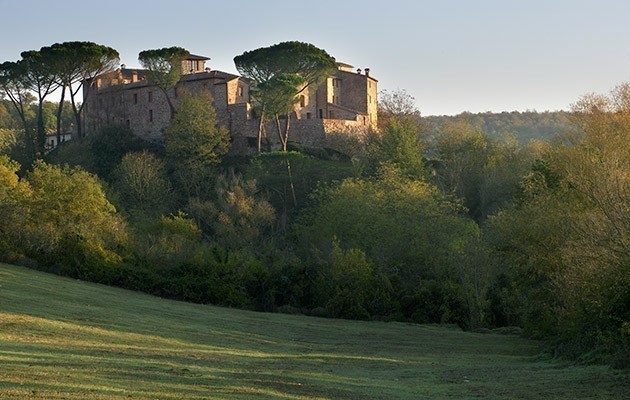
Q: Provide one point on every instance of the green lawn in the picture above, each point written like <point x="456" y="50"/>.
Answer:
<point x="66" y="339"/>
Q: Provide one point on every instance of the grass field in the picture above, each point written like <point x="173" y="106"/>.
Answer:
<point x="66" y="339"/>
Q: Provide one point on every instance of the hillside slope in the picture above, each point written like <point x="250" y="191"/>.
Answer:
<point x="66" y="339"/>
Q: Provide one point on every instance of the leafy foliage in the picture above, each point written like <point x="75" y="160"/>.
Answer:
<point x="164" y="68"/>
<point x="279" y="73"/>
<point x="238" y="218"/>
<point x="408" y="229"/>
<point x="454" y="225"/>
<point x="525" y="126"/>
<point x="303" y="59"/>
<point x="565" y="244"/>
<point x="398" y="144"/>
<point x="65" y="219"/>
<point x="163" y="65"/>
<point x="143" y="184"/>
<point x="194" y="142"/>
<point x="76" y="63"/>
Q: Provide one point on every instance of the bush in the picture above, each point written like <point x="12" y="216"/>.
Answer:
<point x="410" y="232"/>
<point x="142" y="183"/>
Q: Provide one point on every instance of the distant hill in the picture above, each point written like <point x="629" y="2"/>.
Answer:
<point x="525" y="126"/>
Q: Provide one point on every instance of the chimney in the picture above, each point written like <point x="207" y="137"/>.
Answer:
<point x="359" y="71"/>
<point x="367" y="72"/>
<point x="123" y="66"/>
<point x="207" y="69"/>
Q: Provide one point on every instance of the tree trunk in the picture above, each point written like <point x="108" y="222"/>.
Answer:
<point x="283" y="140"/>
<point x="170" y="103"/>
<point x="77" y="111"/>
<point x="260" y="129"/>
<point x="286" y="134"/>
<point x="59" y="111"/>
<point x="291" y="181"/>
<point x="40" y="137"/>
<point x="280" y="135"/>
<point x="284" y="137"/>
<point x="18" y="104"/>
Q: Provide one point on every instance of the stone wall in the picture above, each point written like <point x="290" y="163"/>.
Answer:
<point x="372" y="100"/>
<point x="320" y="133"/>
<point x="144" y="108"/>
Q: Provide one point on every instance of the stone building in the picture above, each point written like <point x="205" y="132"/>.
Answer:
<point x="344" y="103"/>
<point x="51" y="140"/>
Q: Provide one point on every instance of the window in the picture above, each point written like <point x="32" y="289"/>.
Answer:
<point x="150" y="97"/>
<point x="331" y="115"/>
<point x="240" y="91"/>
<point x="150" y="115"/>
<point x="193" y="65"/>
<point x="369" y="99"/>
<point x="302" y="101"/>
<point x="321" y="113"/>
<point x="135" y="98"/>
<point x="308" y="115"/>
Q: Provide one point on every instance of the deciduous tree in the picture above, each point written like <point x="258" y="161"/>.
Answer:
<point x="398" y="105"/>
<point x="194" y="141"/>
<point x="411" y="232"/>
<point x="143" y="184"/>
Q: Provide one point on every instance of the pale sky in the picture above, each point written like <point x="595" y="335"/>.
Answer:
<point x="451" y="55"/>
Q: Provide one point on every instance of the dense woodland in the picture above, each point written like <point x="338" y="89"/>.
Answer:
<point x="525" y="126"/>
<point x="437" y="220"/>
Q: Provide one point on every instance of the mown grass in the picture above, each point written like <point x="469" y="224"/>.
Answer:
<point x="66" y="339"/>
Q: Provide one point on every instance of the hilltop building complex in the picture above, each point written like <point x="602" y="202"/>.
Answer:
<point x="344" y="103"/>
